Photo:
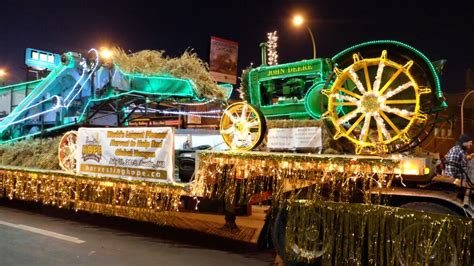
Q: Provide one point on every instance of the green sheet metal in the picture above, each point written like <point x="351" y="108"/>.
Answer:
<point x="164" y="85"/>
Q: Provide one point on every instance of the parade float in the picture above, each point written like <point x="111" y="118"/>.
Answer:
<point x="331" y="144"/>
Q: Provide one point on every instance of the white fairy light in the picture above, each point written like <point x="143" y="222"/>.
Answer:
<point x="396" y="111"/>
<point x="356" y="80"/>
<point x="272" y="45"/>
<point x="398" y="90"/>
<point x="381" y="124"/>
<point x="348" y="117"/>
<point x="365" y="128"/>
<point x="344" y="97"/>
<point x="207" y="114"/>
<point x="378" y="76"/>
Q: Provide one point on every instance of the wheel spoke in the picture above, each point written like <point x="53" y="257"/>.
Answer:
<point x="398" y="89"/>
<point x="401" y="113"/>
<point x="356" y="123"/>
<point x="252" y="120"/>
<point x="365" y="128"/>
<point x="389" y="82"/>
<point x="367" y="78"/>
<point x="348" y="92"/>
<point x="392" y="125"/>
<point x="382" y="130"/>
<point x="253" y="124"/>
<point x="228" y="131"/>
<point x="348" y="116"/>
<point x="243" y="115"/>
<point x="378" y="76"/>
<point x="355" y="78"/>
<point x="345" y="98"/>
<point x="236" y="114"/>
<point x="345" y="103"/>
<point x="231" y="117"/>
<point x="400" y="101"/>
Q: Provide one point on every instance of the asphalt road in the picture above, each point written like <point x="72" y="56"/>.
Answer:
<point x="35" y="235"/>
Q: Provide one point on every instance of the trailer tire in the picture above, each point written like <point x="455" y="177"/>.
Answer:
<point x="279" y="238"/>
<point x="419" y="252"/>
<point x="429" y="207"/>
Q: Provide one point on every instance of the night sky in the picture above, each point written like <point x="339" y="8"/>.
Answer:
<point x="440" y="31"/>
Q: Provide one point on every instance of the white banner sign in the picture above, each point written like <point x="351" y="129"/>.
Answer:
<point x="139" y="153"/>
<point x="294" y="138"/>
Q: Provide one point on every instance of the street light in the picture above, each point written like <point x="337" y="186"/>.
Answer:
<point x="298" y="20"/>
<point x="105" y="53"/>
<point x="3" y="74"/>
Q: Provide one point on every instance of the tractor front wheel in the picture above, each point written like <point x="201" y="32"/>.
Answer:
<point x="242" y="126"/>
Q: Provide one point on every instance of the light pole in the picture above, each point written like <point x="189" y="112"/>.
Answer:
<point x="462" y="110"/>
<point x="298" y="21"/>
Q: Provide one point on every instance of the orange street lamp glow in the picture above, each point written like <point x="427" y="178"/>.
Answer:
<point x="105" y="53"/>
<point x="2" y="73"/>
<point x="298" y="20"/>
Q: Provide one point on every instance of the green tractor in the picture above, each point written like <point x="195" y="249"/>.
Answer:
<point x="382" y="96"/>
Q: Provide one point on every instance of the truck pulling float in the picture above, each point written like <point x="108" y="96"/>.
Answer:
<point x="368" y="107"/>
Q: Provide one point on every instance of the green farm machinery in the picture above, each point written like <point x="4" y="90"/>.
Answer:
<point x="382" y="96"/>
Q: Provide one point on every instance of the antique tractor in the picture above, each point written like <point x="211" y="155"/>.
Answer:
<point x="382" y="96"/>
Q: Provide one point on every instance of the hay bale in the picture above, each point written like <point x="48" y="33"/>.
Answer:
<point x="31" y="153"/>
<point x="188" y="66"/>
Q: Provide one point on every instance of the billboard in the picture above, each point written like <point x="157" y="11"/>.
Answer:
<point x="223" y="60"/>
<point x="41" y="60"/>
<point x="139" y="153"/>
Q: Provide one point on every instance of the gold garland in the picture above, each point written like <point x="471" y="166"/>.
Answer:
<point x="316" y="191"/>
<point x="358" y="234"/>
<point x="237" y="176"/>
<point x="144" y="201"/>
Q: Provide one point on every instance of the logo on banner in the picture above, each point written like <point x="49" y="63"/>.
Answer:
<point x="92" y="150"/>
<point x="138" y="153"/>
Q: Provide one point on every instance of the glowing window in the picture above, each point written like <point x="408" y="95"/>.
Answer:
<point x="34" y="55"/>
<point x="51" y="58"/>
<point x="43" y="57"/>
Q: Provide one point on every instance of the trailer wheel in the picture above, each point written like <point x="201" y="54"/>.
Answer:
<point x="308" y="257"/>
<point x="242" y="126"/>
<point x="67" y="151"/>
<point x="435" y="244"/>
<point x="428" y="207"/>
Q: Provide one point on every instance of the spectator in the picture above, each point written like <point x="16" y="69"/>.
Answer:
<point x="458" y="155"/>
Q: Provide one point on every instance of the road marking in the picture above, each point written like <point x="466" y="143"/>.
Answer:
<point x="44" y="232"/>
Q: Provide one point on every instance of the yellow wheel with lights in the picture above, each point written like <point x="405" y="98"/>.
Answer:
<point x="67" y="151"/>
<point x="380" y="99"/>
<point x="242" y="126"/>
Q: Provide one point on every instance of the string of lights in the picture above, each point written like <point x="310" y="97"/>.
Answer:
<point x="142" y="108"/>
<point x="272" y="44"/>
